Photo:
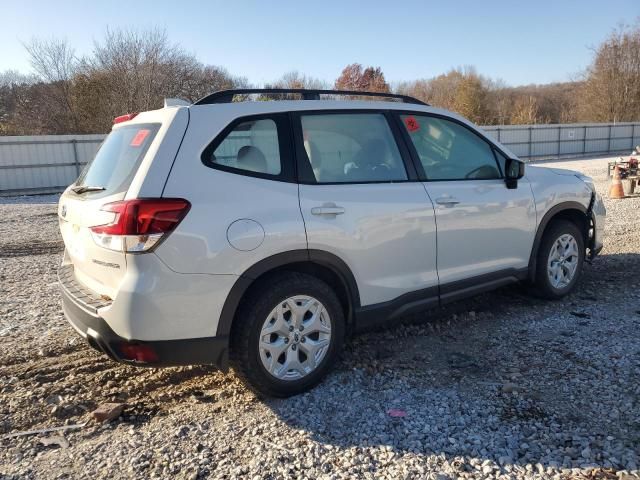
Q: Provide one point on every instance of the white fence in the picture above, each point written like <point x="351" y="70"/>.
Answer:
<point x="42" y="164"/>
<point x="537" y="142"/>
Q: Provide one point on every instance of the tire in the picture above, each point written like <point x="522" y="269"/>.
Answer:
<point x="277" y="304"/>
<point x="556" y="282"/>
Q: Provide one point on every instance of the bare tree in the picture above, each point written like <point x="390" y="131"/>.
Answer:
<point x="293" y="79"/>
<point x="461" y="90"/>
<point x="132" y="71"/>
<point x="611" y="91"/>
<point x="139" y="68"/>
<point x="55" y="63"/>
<point x="525" y="111"/>
<point x="10" y="78"/>
<point x="355" y="77"/>
<point x="13" y="88"/>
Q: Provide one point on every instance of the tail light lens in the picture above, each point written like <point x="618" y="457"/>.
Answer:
<point x="125" y="118"/>
<point x="138" y="353"/>
<point x="140" y="224"/>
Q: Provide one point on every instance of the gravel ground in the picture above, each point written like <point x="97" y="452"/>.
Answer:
<point x="501" y="386"/>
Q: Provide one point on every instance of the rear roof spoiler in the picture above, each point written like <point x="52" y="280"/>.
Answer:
<point x="175" y="102"/>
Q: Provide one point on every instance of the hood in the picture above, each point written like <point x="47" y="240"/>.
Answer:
<point x="538" y="173"/>
<point x="564" y="171"/>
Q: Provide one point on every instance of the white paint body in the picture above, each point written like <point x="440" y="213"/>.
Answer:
<point x="394" y="237"/>
<point x="491" y="229"/>
<point x="389" y="244"/>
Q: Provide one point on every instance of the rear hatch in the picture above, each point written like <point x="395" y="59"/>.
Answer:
<point x="105" y="179"/>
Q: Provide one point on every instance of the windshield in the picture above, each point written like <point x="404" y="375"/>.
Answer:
<point x="117" y="160"/>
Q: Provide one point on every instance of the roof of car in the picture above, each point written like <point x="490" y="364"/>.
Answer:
<point x="223" y="102"/>
<point x="228" y="96"/>
<point x="259" y="107"/>
<point x="310" y="100"/>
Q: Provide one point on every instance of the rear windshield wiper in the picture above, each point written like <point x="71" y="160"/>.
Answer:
<point x="87" y="188"/>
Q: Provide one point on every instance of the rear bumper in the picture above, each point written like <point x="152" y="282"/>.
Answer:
<point x="194" y="351"/>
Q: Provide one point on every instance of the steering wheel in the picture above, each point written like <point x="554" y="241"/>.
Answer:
<point x="472" y="173"/>
<point x="383" y="165"/>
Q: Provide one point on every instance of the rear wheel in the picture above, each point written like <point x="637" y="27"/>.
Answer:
<point x="287" y="334"/>
<point x="560" y="259"/>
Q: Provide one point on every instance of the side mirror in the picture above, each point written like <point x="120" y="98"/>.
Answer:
<point x="514" y="170"/>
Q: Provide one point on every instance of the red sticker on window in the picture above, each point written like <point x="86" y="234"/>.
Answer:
<point x="412" y="124"/>
<point x="139" y="138"/>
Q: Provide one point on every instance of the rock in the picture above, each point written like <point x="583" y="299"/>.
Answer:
<point x="107" y="412"/>
<point x="58" y="440"/>
<point x="509" y="388"/>
<point x="573" y="392"/>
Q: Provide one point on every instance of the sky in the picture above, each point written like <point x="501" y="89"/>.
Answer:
<point x="520" y="42"/>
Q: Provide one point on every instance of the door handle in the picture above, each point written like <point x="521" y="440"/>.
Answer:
<point x="328" y="209"/>
<point x="447" y="201"/>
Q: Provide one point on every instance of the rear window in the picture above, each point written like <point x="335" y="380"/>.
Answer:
<point x="118" y="158"/>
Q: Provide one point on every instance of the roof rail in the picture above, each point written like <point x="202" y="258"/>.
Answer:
<point x="226" y="96"/>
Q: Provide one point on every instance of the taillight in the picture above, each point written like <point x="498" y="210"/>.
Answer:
<point x="124" y="118"/>
<point x="139" y="224"/>
<point x="138" y="353"/>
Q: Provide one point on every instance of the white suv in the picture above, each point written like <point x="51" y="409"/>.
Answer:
<point x="266" y="232"/>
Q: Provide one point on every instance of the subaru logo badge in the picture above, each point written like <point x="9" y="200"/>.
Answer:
<point x="63" y="211"/>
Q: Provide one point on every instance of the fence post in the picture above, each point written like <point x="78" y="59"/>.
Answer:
<point x="74" y="142"/>
<point x="584" y="141"/>
<point x="559" y="139"/>
<point x="609" y="144"/>
<point x="529" y="144"/>
<point x="499" y="135"/>
<point x="633" y="137"/>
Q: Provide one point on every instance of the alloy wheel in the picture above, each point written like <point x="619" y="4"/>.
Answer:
<point x="295" y="337"/>
<point x="563" y="261"/>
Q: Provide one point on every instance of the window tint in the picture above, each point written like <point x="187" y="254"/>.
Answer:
<point x="449" y="151"/>
<point x="118" y="158"/>
<point x="352" y="147"/>
<point x="251" y="146"/>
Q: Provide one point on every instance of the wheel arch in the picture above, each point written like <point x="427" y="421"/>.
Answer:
<point x="324" y="265"/>
<point x="574" y="212"/>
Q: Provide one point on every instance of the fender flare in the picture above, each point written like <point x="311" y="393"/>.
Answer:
<point x="279" y="260"/>
<point x="552" y="212"/>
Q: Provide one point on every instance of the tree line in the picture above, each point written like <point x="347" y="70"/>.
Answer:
<point x="132" y="71"/>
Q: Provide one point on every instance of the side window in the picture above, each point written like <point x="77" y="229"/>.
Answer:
<point x="251" y="146"/>
<point x="502" y="161"/>
<point x="351" y="148"/>
<point x="449" y="151"/>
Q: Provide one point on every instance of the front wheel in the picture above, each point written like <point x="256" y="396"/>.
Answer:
<point x="560" y="259"/>
<point x="287" y="334"/>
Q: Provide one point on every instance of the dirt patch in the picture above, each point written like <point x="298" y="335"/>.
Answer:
<point x="23" y="249"/>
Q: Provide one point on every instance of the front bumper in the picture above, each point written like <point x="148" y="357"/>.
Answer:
<point x="84" y="317"/>
<point x="598" y="215"/>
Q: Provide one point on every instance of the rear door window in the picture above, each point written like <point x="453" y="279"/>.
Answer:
<point x="252" y="146"/>
<point x="118" y="159"/>
<point x="351" y="148"/>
